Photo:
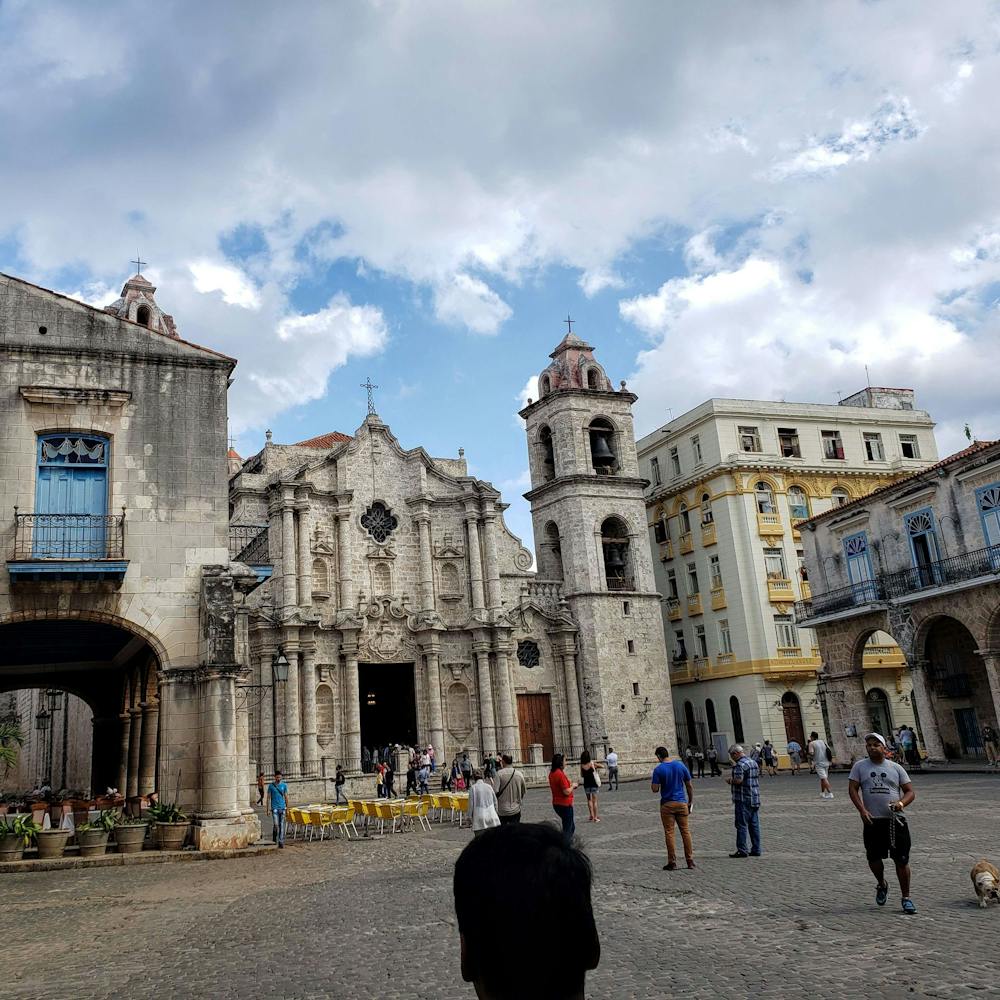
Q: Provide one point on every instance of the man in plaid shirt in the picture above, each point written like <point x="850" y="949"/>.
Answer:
<point x="744" y="782"/>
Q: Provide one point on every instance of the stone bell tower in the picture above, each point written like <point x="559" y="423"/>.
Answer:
<point x="589" y="520"/>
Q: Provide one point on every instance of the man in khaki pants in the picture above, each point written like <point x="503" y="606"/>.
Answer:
<point x="673" y="782"/>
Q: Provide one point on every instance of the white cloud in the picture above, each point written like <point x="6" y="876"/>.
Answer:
<point x="236" y="287"/>
<point x="469" y="302"/>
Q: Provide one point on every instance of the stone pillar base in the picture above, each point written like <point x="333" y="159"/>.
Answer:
<point x="229" y="833"/>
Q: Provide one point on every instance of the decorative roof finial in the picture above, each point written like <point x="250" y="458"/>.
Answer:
<point x="367" y="385"/>
<point x="268" y="435"/>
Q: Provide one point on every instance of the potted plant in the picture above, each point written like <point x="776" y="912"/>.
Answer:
<point x="170" y="826"/>
<point x="51" y="843"/>
<point x="16" y="833"/>
<point x="93" y="836"/>
<point x="130" y="834"/>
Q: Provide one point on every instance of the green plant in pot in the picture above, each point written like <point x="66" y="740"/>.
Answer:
<point x="52" y="843"/>
<point x="130" y="834"/>
<point x="171" y="826"/>
<point x="16" y="833"/>
<point x="93" y="836"/>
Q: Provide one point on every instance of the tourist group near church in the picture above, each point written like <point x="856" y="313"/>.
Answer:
<point x="747" y="584"/>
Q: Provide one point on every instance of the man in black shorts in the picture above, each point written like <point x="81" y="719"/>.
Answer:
<point x="880" y="790"/>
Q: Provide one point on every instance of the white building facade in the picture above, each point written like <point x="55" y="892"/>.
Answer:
<point x="728" y="482"/>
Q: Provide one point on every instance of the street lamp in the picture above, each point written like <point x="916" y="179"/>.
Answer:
<point x="42" y="720"/>
<point x="279" y="675"/>
<point x="279" y="667"/>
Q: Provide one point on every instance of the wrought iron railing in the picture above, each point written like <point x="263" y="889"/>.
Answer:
<point x="620" y="583"/>
<point x="248" y="544"/>
<point x="68" y="536"/>
<point x="903" y="583"/>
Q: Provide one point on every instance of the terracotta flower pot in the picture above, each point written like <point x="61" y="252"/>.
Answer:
<point x="51" y="843"/>
<point x="11" y="848"/>
<point x="130" y="839"/>
<point x="93" y="843"/>
<point x="171" y="836"/>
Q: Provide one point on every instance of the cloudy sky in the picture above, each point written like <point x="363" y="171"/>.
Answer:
<point x="732" y="199"/>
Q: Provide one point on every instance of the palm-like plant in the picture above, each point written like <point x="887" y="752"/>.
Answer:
<point x="11" y="741"/>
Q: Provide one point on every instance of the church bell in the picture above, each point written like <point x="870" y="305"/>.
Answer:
<point x="614" y="561"/>
<point x="602" y="454"/>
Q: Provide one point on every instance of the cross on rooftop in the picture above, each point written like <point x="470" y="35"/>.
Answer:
<point x="139" y="262"/>
<point x="367" y="385"/>
<point x="569" y="322"/>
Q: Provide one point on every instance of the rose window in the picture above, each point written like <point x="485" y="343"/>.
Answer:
<point x="379" y="521"/>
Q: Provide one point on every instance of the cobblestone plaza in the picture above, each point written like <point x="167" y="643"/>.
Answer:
<point x="374" y="918"/>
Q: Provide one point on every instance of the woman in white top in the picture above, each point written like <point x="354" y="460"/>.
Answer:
<point x="482" y="804"/>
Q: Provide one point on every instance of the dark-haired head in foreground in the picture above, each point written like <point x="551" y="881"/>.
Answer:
<point x="525" y="876"/>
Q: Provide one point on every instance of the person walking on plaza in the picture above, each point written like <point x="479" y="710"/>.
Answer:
<point x="699" y="759"/>
<point x="821" y="756"/>
<point x="511" y="790"/>
<point x="880" y="790"/>
<point x="611" y="759"/>
<point x="466" y="768"/>
<point x="260" y="788"/>
<point x="769" y="759"/>
<point x="991" y="743"/>
<point x="795" y="755"/>
<point x="338" y="785"/>
<point x="379" y="786"/>
<point x="482" y="805"/>
<point x="562" y="795"/>
<point x="423" y="776"/>
<point x="744" y="782"/>
<point x="277" y="804"/>
<point x="672" y="780"/>
<point x="411" y="777"/>
<point x="713" y="763"/>
<point x="430" y="756"/>
<point x="689" y="758"/>
<point x="388" y="779"/>
<point x="591" y="783"/>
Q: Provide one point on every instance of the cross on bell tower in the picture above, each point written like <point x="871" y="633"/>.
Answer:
<point x="370" y="388"/>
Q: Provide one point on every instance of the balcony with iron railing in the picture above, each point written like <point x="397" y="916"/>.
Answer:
<point x="68" y="547"/>
<point x="248" y="543"/>
<point x="902" y="586"/>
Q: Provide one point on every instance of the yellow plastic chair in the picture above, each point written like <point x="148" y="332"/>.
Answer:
<point x="322" y="820"/>
<point x="343" y="819"/>
<point x="293" y="821"/>
<point x="461" y="806"/>
<point x="445" y="801"/>
<point x="418" y="811"/>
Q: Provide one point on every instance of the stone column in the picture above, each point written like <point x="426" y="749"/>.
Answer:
<point x="221" y="770"/>
<point x="291" y="745"/>
<point x="305" y="553"/>
<point x="265" y="713"/>
<point x="433" y="655"/>
<point x="846" y="703"/>
<point x="508" y="736"/>
<point x="288" y="588"/>
<point x="425" y="586"/>
<point x="991" y="661"/>
<point x="475" y="563"/>
<point x="493" y="600"/>
<point x="487" y="723"/>
<point x="352" y="709"/>
<point x="126" y="734"/>
<point x="344" y="559"/>
<point x="930" y="731"/>
<point x="573" y="702"/>
<point x="246" y="772"/>
<point x="147" y="752"/>
<point x="134" y="746"/>
<point x="310" y="748"/>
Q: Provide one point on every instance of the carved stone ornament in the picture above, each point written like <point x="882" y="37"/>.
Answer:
<point x="386" y="636"/>
<point x="448" y="548"/>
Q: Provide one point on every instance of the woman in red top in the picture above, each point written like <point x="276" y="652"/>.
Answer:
<point x="562" y="796"/>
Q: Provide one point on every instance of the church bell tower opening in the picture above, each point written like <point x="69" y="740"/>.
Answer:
<point x="388" y="704"/>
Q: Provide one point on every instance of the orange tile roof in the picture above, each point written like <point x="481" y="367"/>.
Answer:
<point x="973" y="449"/>
<point x="323" y="440"/>
<point x="233" y="453"/>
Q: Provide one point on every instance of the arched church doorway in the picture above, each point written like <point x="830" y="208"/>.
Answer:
<point x="388" y="705"/>
<point x="112" y="670"/>
<point x="792" y="712"/>
<point x="879" y="714"/>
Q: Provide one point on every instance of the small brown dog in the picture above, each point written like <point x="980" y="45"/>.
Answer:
<point x="986" y="880"/>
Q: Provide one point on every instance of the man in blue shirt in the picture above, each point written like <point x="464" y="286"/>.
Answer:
<point x="673" y="782"/>
<point x="277" y="803"/>
<point x="745" y="784"/>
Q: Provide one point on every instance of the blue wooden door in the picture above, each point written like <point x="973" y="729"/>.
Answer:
<point x="71" y="499"/>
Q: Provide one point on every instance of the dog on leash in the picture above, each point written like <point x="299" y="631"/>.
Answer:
<point x="986" y="880"/>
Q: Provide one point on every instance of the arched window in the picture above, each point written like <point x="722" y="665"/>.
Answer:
<point x="142" y="315"/>
<point x="615" y="548"/>
<point x="840" y="496"/>
<point x="764" y="496"/>
<point x="553" y="568"/>
<point x="593" y="379"/>
<point x="710" y="716"/>
<point x="545" y="385"/>
<point x="706" y="509"/>
<point x="798" y="503"/>
<point x="690" y="724"/>
<point x="602" y="447"/>
<point x="734" y="711"/>
<point x="548" y="454"/>
<point x="685" y="517"/>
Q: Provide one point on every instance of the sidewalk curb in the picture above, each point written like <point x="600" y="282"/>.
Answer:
<point x="143" y="858"/>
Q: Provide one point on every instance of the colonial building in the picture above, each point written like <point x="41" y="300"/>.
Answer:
<point x="730" y="481"/>
<point x="409" y="613"/>
<point x="920" y="560"/>
<point x="118" y="586"/>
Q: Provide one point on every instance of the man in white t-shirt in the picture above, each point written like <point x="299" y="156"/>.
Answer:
<point x="820" y="756"/>
<point x="880" y="790"/>
<point x="612" y="761"/>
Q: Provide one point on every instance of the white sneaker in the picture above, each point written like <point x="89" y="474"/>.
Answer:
<point x="828" y="795"/>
